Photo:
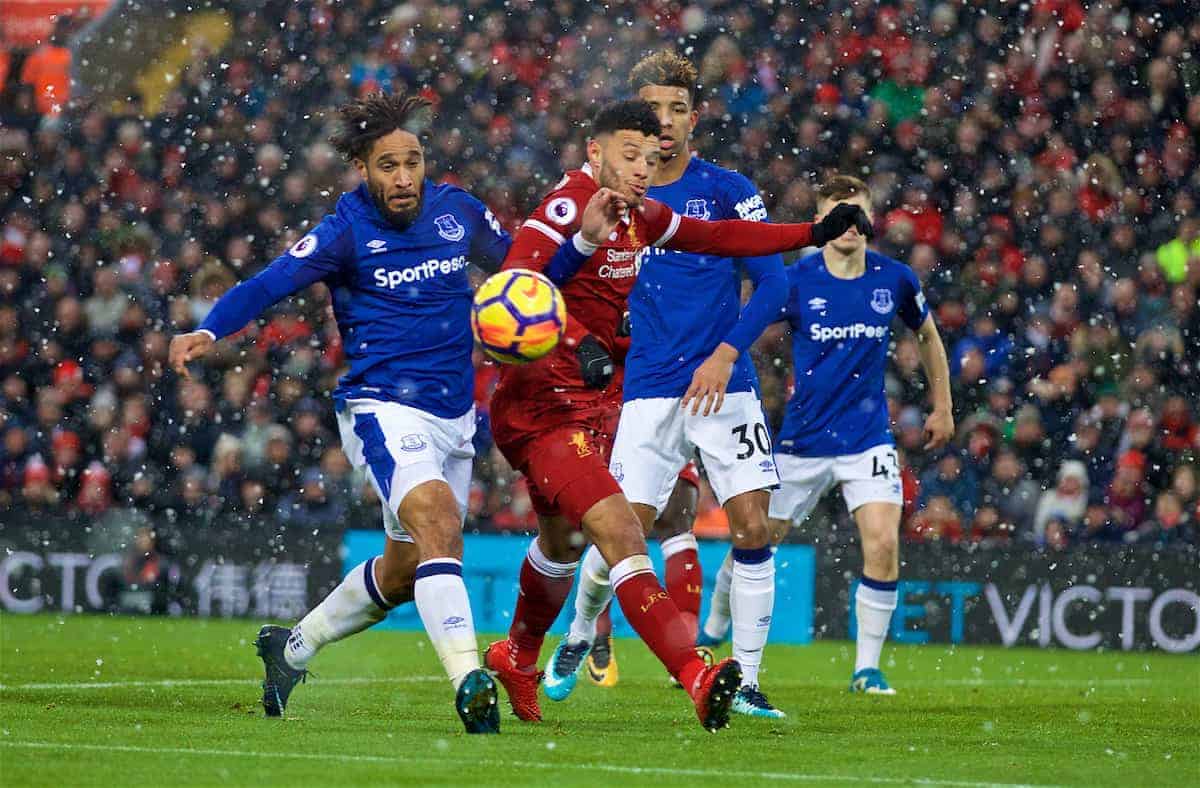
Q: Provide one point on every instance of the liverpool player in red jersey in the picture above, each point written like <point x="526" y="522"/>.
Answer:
<point x="554" y="419"/>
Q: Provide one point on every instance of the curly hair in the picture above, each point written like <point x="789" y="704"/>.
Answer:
<point x="630" y="115"/>
<point x="666" y="67"/>
<point x="365" y="120"/>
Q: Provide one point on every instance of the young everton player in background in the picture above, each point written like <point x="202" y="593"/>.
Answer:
<point x="841" y="303"/>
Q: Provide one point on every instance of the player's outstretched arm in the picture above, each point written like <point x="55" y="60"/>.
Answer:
<point x="312" y="258"/>
<point x="740" y="238"/>
<point x="939" y="426"/>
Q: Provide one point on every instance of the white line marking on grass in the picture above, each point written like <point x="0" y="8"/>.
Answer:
<point x="605" y="767"/>
<point x="1015" y="682"/>
<point x="171" y="683"/>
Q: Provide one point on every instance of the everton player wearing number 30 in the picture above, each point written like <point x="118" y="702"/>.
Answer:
<point x="841" y="303"/>
<point x="554" y="419"/>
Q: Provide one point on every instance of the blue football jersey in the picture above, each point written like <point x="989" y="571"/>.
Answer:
<point x="841" y="329"/>
<point x="684" y="305"/>
<point x="401" y="297"/>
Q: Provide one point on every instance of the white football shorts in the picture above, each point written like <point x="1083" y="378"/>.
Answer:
<point x="399" y="447"/>
<point x="867" y="477"/>
<point x="656" y="437"/>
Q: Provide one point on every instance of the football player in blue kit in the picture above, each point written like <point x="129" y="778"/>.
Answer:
<point x="690" y="386"/>
<point x="394" y="255"/>
<point x="840" y="305"/>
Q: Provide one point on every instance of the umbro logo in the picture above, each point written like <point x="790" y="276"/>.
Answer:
<point x="817" y="304"/>
<point x="378" y="245"/>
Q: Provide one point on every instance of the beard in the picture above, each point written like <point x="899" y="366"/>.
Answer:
<point x="398" y="219"/>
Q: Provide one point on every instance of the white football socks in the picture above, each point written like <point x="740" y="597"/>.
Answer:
<point x="752" y="600"/>
<point x="716" y="625"/>
<point x="445" y="611"/>
<point x="350" y="608"/>
<point x="874" y="602"/>
<point x="594" y="593"/>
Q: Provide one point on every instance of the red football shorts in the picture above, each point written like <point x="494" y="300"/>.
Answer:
<point x="690" y="475"/>
<point x="566" y="468"/>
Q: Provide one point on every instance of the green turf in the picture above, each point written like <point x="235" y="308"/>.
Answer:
<point x="378" y="711"/>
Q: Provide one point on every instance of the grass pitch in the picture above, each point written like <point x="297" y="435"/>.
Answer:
<point x="138" y="701"/>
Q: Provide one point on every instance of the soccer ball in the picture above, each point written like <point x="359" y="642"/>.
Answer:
<point x="518" y="316"/>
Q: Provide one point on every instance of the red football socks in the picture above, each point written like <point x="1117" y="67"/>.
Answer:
<point x="545" y="586"/>
<point x="655" y="617"/>
<point x="685" y="583"/>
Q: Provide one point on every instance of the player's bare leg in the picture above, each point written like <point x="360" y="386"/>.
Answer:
<point x="875" y="599"/>
<point x="362" y="599"/>
<point x="547" y="574"/>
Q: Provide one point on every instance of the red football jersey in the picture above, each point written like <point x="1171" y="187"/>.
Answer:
<point x="551" y="388"/>
<point x="550" y="391"/>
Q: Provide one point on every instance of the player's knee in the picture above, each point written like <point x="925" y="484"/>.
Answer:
<point x="748" y="524"/>
<point x="615" y="530"/>
<point x="750" y="536"/>
<point x="430" y="515"/>
<point x="562" y="544"/>
<point x="881" y="553"/>
<point x="885" y="544"/>
<point x="436" y="532"/>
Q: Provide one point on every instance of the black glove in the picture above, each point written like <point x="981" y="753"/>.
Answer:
<point x="839" y="220"/>
<point x="595" y="365"/>
<point x="626" y="328"/>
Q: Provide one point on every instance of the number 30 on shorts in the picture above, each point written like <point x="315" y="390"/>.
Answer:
<point x="746" y="446"/>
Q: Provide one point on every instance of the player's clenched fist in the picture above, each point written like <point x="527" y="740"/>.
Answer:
<point x="188" y="347"/>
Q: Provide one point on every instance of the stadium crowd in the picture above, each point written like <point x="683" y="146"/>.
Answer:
<point x="1036" y="165"/>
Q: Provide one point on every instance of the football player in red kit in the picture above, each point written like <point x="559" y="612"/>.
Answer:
<point x="554" y="419"/>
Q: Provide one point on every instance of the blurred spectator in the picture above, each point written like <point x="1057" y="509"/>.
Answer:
<point x="312" y="507"/>
<point x="151" y="579"/>
<point x="1171" y="523"/>
<point x="1064" y="504"/>
<point x="47" y="70"/>
<point x="1181" y="252"/>
<point x="1010" y="493"/>
<point x="938" y="521"/>
<point x="951" y="480"/>
<point x="1126" y="495"/>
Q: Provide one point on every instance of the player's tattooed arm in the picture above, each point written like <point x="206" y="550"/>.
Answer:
<point x="939" y="426"/>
